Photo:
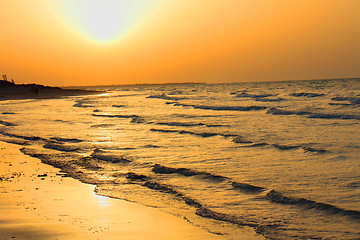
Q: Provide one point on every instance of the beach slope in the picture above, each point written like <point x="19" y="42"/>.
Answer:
<point x="38" y="201"/>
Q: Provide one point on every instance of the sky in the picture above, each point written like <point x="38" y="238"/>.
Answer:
<point x="111" y="42"/>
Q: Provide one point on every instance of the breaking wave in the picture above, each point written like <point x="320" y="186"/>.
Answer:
<point x="185" y="172"/>
<point x="29" y="138"/>
<point x="222" y="108"/>
<point x="353" y="100"/>
<point x="269" y="99"/>
<point x="134" y="118"/>
<point x="102" y="125"/>
<point x="61" y="147"/>
<point x="305" y="94"/>
<point x="5" y="123"/>
<point x="108" y="157"/>
<point x="246" y="95"/>
<point x="247" y="188"/>
<point x="118" y="106"/>
<point x="278" y="197"/>
<point x="275" y="111"/>
<point x="203" y="134"/>
<point x="84" y="103"/>
<point x="69" y="140"/>
<point x="272" y="195"/>
<point x="166" y="97"/>
<point x="182" y="124"/>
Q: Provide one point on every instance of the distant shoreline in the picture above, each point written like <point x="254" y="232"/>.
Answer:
<point x="11" y="91"/>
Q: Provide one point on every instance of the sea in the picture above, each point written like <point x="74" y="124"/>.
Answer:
<point x="278" y="158"/>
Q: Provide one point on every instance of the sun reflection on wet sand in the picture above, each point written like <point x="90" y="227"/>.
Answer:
<point x="101" y="200"/>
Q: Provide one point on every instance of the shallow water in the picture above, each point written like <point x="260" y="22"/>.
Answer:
<point x="281" y="157"/>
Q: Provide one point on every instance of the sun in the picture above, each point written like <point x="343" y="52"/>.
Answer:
<point x="103" y="21"/>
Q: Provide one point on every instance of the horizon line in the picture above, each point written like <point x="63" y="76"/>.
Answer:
<point x="205" y="83"/>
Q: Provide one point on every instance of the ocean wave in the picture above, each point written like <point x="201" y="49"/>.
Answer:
<point x="240" y="139"/>
<point x="169" y="103"/>
<point x="160" y="169"/>
<point x="182" y="124"/>
<point x="61" y="147"/>
<point x="269" y="99"/>
<point x="118" y="106"/>
<point x="306" y="94"/>
<point x="310" y="149"/>
<point x="286" y="147"/>
<point x="136" y="176"/>
<point x="7" y="124"/>
<point x="15" y="141"/>
<point x="355" y="184"/>
<point x="134" y="118"/>
<point x="166" y="97"/>
<point x="151" y="146"/>
<point x="334" y="116"/>
<point x="246" y="95"/>
<point x="33" y="153"/>
<point x="114" y="116"/>
<point x="203" y="134"/>
<point x="248" y="188"/>
<point x="223" y="108"/>
<point x="186" y="116"/>
<point x="278" y="197"/>
<point x="170" y="190"/>
<point x="208" y="213"/>
<point x="84" y="103"/>
<point x="340" y="104"/>
<point x="108" y="157"/>
<point x="69" y="140"/>
<point x="282" y="147"/>
<point x="137" y="119"/>
<point x="29" y="138"/>
<point x="187" y="172"/>
<point x="306" y="148"/>
<point x="102" y="125"/>
<point x="275" y="111"/>
<point x="175" y="92"/>
<point x="353" y="100"/>
<point x="255" y="145"/>
<point x="67" y="162"/>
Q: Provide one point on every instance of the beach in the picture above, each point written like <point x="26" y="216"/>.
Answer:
<point x="212" y="161"/>
<point x="37" y="201"/>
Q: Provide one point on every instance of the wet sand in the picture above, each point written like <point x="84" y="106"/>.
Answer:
<point x="37" y="201"/>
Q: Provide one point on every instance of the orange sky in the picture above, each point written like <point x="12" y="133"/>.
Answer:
<point x="93" y="42"/>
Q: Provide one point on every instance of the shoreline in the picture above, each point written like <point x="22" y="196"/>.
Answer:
<point x="38" y="201"/>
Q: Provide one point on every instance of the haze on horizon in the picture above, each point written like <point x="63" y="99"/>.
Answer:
<point x="108" y="42"/>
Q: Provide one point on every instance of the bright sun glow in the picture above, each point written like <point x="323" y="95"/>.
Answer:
<point x="103" y="20"/>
